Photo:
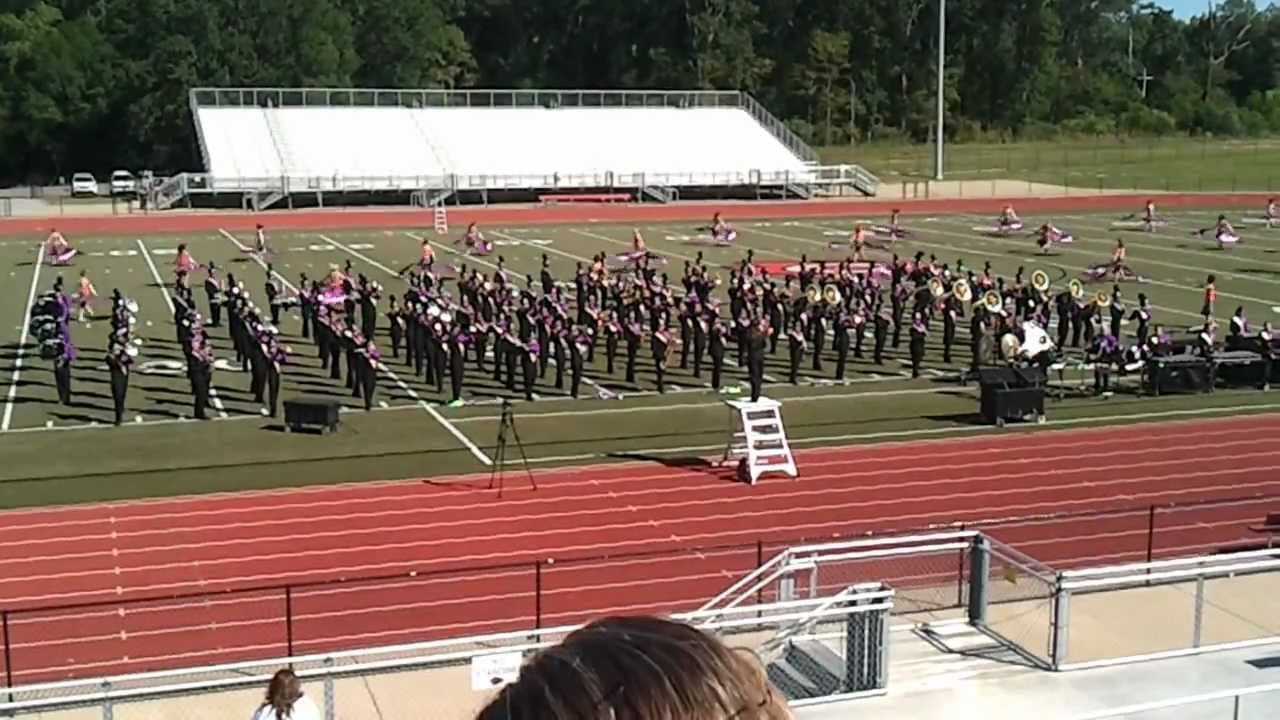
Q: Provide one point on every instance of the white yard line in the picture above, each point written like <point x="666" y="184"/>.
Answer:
<point x="22" y="341"/>
<point x="453" y="430"/>
<point x="382" y="366"/>
<point x="168" y="301"/>
<point x="359" y="255"/>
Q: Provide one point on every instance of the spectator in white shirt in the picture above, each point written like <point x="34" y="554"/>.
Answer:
<point x="285" y="700"/>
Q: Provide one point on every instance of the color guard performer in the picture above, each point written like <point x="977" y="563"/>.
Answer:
<point x="58" y="252"/>
<point x="1210" y="298"/>
<point x="85" y="293"/>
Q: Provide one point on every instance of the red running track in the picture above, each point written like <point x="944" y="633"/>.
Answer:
<point x="231" y="555"/>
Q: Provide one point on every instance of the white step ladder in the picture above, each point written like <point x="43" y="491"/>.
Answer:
<point x="442" y="219"/>
<point x="757" y="439"/>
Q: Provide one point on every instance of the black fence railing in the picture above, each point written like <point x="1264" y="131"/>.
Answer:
<point x="216" y="625"/>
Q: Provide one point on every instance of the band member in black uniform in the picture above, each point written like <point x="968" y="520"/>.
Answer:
<point x="512" y="357"/>
<point x="612" y="330"/>
<point x="458" y="341"/>
<point x="631" y="331"/>
<point x="1267" y="350"/>
<point x="200" y="372"/>
<point x="120" y="363"/>
<point x="883" y="321"/>
<point x="659" y="341"/>
<point x="528" y="365"/>
<point x="274" y="299"/>
<point x="857" y="329"/>
<point x="841" y="342"/>
<point x="757" y="339"/>
<point x="1064" y="305"/>
<point x="918" y="333"/>
<point x="365" y="360"/>
<point x="715" y="348"/>
<point x="898" y="298"/>
<point x="557" y="348"/>
<point x="817" y="330"/>
<point x="796" y="344"/>
<point x="257" y="365"/>
<point x="1078" y="320"/>
<point x="214" y="294"/>
<point x="395" y="323"/>
<point x="577" y="354"/>
<point x="370" y="293"/>
<point x="950" y="315"/>
<point x="438" y="348"/>
<point x="1117" y="312"/>
<point x="1142" y="316"/>
<point x="308" y="292"/>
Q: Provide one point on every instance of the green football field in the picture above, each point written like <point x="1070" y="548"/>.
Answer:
<point x="57" y="454"/>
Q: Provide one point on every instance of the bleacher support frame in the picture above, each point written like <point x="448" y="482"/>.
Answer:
<point x="817" y="179"/>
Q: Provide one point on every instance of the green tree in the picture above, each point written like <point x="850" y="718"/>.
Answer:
<point x="825" y="79"/>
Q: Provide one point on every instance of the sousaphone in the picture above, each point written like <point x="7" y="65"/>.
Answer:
<point x="1040" y="281"/>
<point x="962" y="290"/>
<point x="813" y="295"/>
<point x="936" y="288"/>
<point x="992" y="302"/>
<point x="831" y="294"/>
<point x="1102" y="299"/>
<point x="1076" y="288"/>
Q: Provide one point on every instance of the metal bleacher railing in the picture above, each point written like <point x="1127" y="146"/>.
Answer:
<point x="748" y="627"/>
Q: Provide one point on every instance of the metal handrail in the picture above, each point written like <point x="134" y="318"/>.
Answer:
<point x="139" y="685"/>
<point x="1235" y="693"/>
<point x="1199" y="560"/>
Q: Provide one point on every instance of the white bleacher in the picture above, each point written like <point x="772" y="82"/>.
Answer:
<point x="239" y="144"/>
<point x="493" y="146"/>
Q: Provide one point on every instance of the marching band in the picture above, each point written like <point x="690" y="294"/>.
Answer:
<point x="525" y="328"/>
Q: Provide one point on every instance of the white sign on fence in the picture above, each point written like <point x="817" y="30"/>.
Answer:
<point x="492" y="671"/>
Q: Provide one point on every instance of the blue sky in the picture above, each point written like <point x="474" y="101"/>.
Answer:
<point x="1184" y="8"/>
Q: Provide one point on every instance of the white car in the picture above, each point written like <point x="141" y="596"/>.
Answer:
<point x="122" y="183"/>
<point x="83" y="184"/>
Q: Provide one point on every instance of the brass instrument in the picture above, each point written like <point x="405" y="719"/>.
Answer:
<point x="936" y="287"/>
<point x="831" y="294"/>
<point x="1040" y="281"/>
<point x="962" y="290"/>
<point x="813" y="295"/>
<point x="1102" y="299"/>
<point x="1076" y="288"/>
<point x="992" y="302"/>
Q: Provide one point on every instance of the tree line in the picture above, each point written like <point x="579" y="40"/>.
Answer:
<point x="100" y="84"/>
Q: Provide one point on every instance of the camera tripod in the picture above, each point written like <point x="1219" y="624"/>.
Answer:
<point x="507" y="426"/>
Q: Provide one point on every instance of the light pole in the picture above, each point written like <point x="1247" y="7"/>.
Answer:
<point x="942" y="40"/>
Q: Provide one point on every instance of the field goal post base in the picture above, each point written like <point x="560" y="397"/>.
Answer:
<point x="757" y="441"/>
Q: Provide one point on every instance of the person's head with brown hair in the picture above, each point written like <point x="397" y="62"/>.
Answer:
<point x="639" y="668"/>
<point x="283" y="692"/>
